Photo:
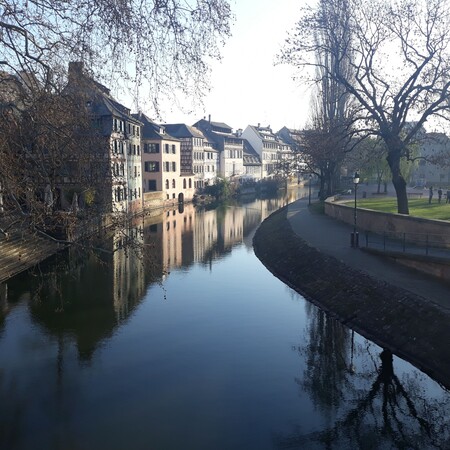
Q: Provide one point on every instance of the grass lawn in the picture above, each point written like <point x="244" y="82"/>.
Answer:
<point x="418" y="207"/>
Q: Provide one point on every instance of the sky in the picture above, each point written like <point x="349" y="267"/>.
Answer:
<point x="246" y="87"/>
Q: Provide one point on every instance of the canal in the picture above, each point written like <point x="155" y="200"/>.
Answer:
<point x="175" y="336"/>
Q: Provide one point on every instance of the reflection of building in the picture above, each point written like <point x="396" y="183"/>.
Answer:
<point x="231" y="227"/>
<point x="128" y="269"/>
<point x="205" y="233"/>
<point x="172" y="238"/>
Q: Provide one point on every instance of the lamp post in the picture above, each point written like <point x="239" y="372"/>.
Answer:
<point x="309" y="198"/>
<point x="354" y="239"/>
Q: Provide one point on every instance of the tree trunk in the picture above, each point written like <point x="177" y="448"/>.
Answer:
<point x="399" y="182"/>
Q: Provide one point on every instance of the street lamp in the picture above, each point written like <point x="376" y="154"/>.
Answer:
<point x="309" y="199"/>
<point x="354" y="238"/>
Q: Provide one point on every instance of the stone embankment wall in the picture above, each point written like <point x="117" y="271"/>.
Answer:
<point x="21" y="250"/>
<point x="153" y="200"/>
<point x="415" y="229"/>
<point x="395" y="319"/>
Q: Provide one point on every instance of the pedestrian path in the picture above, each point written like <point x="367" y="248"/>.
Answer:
<point x="333" y="238"/>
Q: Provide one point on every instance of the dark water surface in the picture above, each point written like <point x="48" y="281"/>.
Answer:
<point x="193" y="344"/>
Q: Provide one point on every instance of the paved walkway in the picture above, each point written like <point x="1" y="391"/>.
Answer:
<point x="333" y="238"/>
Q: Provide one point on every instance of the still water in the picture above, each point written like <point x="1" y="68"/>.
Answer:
<point x="183" y="340"/>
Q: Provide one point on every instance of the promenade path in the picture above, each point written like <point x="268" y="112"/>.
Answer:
<point x="333" y="238"/>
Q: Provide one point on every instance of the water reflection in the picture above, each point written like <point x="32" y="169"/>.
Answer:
<point x="94" y="355"/>
<point x="364" y="402"/>
<point x="89" y="293"/>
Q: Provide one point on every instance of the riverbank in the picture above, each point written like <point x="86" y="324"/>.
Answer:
<point x="397" y="319"/>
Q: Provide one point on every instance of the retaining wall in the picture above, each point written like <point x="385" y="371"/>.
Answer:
<point x="414" y="229"/>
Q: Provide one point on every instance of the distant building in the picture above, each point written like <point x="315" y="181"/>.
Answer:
<point x="192" y="152"/>
<point x="211" y="163"/>
<point x="161" y="166"/>
<point x="230" y="147"/>
<point x="266" y="145"/>
<point x="433" y="167"/>
<point x="252" y="163"/>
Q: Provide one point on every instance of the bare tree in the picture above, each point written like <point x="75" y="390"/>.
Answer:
<point x="51" y="161"/>
<point x="328" y="137"/>
<point x="48" y="137"/>
<point x="166" y="44"/>
<point x="399" y="53"/>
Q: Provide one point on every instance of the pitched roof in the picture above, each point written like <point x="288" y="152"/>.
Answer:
<point x="250" y="156"/>
<point x="181" y="130"/>
<point x="152" y="130"/>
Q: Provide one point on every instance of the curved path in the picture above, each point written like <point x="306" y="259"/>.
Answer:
<point x="396" y="307"/>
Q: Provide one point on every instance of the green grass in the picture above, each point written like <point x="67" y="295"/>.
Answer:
<point x="418" y="207"/>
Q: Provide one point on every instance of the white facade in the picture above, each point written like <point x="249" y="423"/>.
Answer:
<point x="266" y="145"/>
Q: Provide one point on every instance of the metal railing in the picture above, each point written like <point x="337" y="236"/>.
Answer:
<point x="413" y="243"/>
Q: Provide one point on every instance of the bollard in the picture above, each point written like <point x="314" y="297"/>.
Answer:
<point x="354" y="239"/>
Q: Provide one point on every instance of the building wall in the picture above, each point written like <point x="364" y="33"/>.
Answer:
<point x="434" y="146"/>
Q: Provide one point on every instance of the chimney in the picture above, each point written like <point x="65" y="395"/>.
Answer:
<point x="75" y="71"/>
<point x="209" y="118"/>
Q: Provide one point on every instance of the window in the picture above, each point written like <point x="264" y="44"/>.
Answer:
<point x="138" y="130"/>
<point x="115" y="147"/>
<point x="166" y="148"/>
<point x="166" y="166"/>
<point x="190" y="183"/>
<point x="152" y="185"/>
<point x="173" y="149"/>
<point x="138" y="150"/>
<point x="174" y="166"/>
<point x="184" y="183"/>
<point x="173" y="184"/>
<point x="167" y="184"/>
<point x="151" y="148"/>
<point x="151" y="166"/>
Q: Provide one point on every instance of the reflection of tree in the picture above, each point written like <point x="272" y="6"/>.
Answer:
<point x="326" y="359"/>
<point x="373" y="407"/>
<point x="87" y="294"/>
